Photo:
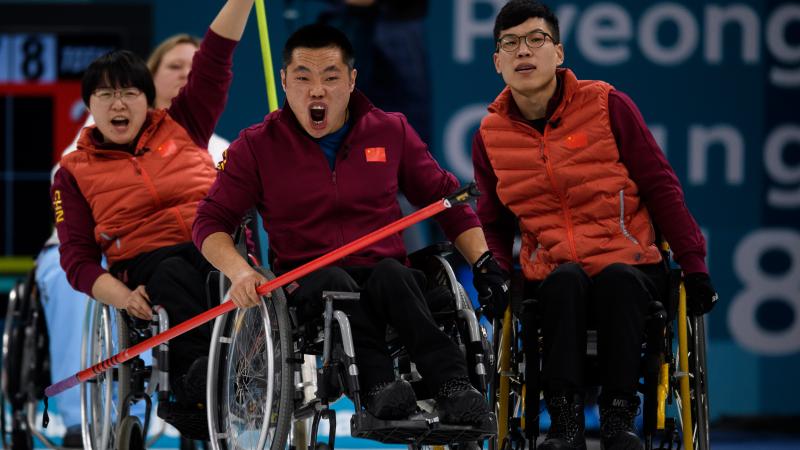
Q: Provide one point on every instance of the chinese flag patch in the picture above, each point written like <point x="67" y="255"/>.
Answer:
<point x="375" y="154"/>
<point x="577" y="140"/>
<point x="166" y="149"/>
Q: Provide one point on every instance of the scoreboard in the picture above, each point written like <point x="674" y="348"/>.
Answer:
<point x="44" y="50"/>
<point x="49" y="57"/>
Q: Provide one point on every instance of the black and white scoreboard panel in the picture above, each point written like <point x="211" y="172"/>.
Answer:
<point x="50" y="57"/>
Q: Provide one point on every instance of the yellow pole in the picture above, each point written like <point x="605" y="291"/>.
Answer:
<point x="504" y="367"/>
<point x="683" y="357"/>
<point x="266" y="55"/>
<point x="15" y="264"/>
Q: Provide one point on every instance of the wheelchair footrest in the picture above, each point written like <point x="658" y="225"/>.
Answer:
<point x="420" y="429"/>
<point x="191" y="422"/>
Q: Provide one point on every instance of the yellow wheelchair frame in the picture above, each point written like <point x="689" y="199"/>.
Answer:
<point x="682" y="382"/>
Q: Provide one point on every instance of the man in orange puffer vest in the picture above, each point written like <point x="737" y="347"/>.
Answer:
<point x="571" y="164"/>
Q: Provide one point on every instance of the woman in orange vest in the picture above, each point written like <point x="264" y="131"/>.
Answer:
<point x="571" y="165"/>
<point x="131" y="189"/>
<point x="170" y="63"/>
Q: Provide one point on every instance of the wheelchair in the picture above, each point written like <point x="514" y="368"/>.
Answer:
<point x="26" y="365"/>
<point x="106" y="401"/>
<point x="266" y="390"/>
<point x="673" y="382"/>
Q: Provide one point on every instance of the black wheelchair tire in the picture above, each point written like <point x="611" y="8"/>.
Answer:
<point x="129" y="434"/>
<point x="21" y="440"/>
<point x="14" y="336"/>
<point x="698" y="384"/>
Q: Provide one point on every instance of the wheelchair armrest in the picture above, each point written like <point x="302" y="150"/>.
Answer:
<point x="337" y="295"/>
<point x="217" y="284"/>
<point x="439" y="248"/>
<point x="133" y="322"/>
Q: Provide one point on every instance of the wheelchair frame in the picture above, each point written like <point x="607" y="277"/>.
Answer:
<point x="339" y="374"/>
<point x="26" y="353"/>
<point x="667" y="379"/>
<point x="111" y="394"/>
<point x="26" y="364"/>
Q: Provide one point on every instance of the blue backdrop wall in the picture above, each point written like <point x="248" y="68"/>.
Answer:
<point x="718" y="84"/>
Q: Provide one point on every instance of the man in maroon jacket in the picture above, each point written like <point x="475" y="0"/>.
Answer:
<point x="323" y="171"/>
<point x="571" y="165"/>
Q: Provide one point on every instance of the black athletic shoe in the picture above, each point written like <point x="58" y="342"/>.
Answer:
<point x="459" y="403"/>
<point x="567" y="422"/>
<point x="391" y="401"/>
<point x="617" y="429"/>
<point x="193" y="387"/>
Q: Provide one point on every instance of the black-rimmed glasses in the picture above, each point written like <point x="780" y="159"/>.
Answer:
<point x="534" y="40"/>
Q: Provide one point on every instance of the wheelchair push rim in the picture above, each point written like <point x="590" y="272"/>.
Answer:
<point x="692" y="389"/>
<point x="104" y="335"/>
<point x="249" y="385"/>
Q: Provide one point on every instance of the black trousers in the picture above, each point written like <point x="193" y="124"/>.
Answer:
<point x="390" y="295"/>
<point x="175" y="278"/>
<point x="614" y="302"/>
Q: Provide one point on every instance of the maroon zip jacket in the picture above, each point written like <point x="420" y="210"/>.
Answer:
<point x="648" y="168"/>
<point x="309" y="209"/>
<point x="197" y="108"/>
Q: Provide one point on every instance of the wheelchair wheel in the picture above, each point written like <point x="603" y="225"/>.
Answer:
<point x="35" y="370"/>
<point x="129" y="434"/>
<point x="507" y="388"/>
<point x="26" y="360"/>
<point x="691" y="392"/>
<point x="104" y="335"/>
<point x="13" y="336"/>
<point x="13" y="344"/>
<point x="699" y="382"/>
<point x="250" y="394"/>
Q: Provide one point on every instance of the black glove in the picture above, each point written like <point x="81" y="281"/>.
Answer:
<point x="492" y="283"/>
<point x="700" y="294"/>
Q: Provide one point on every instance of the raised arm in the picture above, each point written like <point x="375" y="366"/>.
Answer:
<point x="232" y="18"/>
<point x="199" y="104"/>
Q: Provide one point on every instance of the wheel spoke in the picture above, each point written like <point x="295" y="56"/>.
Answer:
<point x="248" y="382"/>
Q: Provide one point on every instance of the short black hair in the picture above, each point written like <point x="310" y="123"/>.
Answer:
<point x="319" y="36"/>
<point x="118" y="69"/>
<point x="516" y="12"/>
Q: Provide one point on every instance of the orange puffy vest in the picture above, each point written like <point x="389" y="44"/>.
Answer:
<point x="147" y="200"/>
<point x="573" y="197"/>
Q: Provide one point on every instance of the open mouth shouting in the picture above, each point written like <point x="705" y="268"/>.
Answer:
<point x="120" y="123"/>
<point x="318" y="113"/>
